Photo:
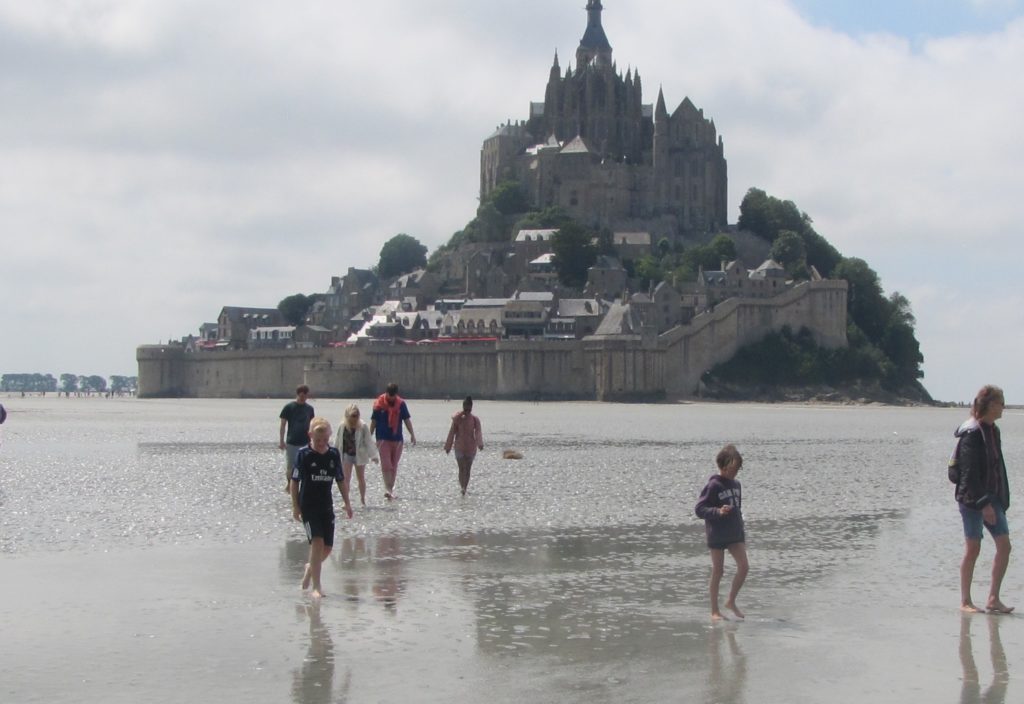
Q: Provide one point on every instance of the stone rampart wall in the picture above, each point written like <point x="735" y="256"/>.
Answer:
<point x="612" y="369"/>
<point x="714" y="337"/>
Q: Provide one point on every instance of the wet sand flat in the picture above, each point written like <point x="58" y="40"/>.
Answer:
<point x="163" y="566"/>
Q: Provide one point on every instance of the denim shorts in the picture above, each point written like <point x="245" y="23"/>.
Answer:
<point x="291" y="453"/>
<point x="973" y="522"/>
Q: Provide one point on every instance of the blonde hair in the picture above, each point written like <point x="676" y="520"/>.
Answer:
<point x="352" y="408"/>
<point x="726" y="455"/>
<point x="319" y="423"/>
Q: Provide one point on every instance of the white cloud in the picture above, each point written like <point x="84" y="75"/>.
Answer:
<point x="174" y="157"/>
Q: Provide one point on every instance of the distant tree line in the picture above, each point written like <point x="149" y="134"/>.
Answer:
<point x="70" y="383"/>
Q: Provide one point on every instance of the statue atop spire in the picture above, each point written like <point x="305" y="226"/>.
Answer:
<point x="594" y="44"/>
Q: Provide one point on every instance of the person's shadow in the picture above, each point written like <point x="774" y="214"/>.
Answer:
<point x="970" y="686"/>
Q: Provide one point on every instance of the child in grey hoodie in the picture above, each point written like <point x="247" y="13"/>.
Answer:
<point x="720" y="505"/>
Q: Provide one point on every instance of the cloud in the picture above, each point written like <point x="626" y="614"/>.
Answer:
<point x="162" y="159"/>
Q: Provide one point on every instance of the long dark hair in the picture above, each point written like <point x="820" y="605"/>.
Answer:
<point x="986" y="396"/>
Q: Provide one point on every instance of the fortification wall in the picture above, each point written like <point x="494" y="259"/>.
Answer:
<point x="612" y="369"/>
<point x="714" y="337"/>
<point x="169" y="371"/>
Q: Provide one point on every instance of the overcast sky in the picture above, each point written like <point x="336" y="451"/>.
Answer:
<point x="160" y="159"/>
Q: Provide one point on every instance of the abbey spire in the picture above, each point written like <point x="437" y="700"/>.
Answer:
<point x="594" y="148"/>
<point x="594" y="44"/>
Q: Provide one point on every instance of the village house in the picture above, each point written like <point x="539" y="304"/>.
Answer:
<point x="606" y="279"/>
<point x="575" y="318"/>
<point x="271" y="337"/>
<point x="347" y="296"/>
<point x="420" y="286"/>
<point x="235" y="322"/>
<point x="631" y="246"/>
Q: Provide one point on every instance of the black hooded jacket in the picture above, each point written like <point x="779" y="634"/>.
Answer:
<point x="977" y="488"/>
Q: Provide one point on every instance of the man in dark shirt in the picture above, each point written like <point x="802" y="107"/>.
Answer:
<point x="295" y="416"/>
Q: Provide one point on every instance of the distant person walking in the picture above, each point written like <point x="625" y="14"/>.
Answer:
<point x="295" y="417"/>
<point x="983" y="495"/>
<point x="720" y="505"/>
<point x="466" y="437"/>
<point x="389" y="414"/>
<point x="355" y="443"/>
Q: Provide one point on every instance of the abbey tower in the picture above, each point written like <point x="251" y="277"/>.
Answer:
<point x="595" y="149"/>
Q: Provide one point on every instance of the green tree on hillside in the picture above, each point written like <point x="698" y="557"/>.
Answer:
<point x="767" y="217"/>
<point x="722" y="246"/>
<point x="708" y="257"/>
<point x="788" y="249"/>
<point x="400" y="255"/>
<point x="550" y="217"/>
<point x="574" y="253"/>
<point x="509" y="198"/>
<point x="648" y="270"/>
<point x="294" y="308"/>
<point x="868" y="308"/>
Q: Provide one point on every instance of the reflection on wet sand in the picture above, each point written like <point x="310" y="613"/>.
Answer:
<point x="728" y="672"/>
<point x="313" y="683"/>
<point x="619" y="605"/>
<point x="970" y="688"/>
<point x="387" y="580"/>
<point x="611" y="592"/>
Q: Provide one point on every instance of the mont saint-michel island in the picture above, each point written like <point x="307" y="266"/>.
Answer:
<point x="600" y="265"/>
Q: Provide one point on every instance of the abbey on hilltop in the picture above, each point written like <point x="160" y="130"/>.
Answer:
<point x="596" y="150"/>
<point x="491" y="316"/>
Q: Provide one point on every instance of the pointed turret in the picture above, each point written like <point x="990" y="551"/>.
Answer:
<point x="661" y="136"/>
<point x="553" y="94"/>
<point x="594" y="44"/>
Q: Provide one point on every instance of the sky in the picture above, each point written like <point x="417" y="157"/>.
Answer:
<point x="160" y="159"/>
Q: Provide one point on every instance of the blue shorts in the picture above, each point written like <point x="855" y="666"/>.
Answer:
<point x="973" y="522"/>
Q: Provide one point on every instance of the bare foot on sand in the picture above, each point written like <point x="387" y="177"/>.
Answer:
<point x="716" y="616"/>
<point x="736" y="610"/>
<point x="317" y="594"/>
<point x="307" y="574"/>
<point x="970" y="608"/>
<point x="997" y="607"/>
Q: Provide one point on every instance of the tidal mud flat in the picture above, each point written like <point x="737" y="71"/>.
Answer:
<point x="148" y="555"/>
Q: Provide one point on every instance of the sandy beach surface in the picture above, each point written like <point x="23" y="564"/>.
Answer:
<point x="147" y="555"/>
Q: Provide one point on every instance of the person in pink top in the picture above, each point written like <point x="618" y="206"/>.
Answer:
<point x="466" y="438"/>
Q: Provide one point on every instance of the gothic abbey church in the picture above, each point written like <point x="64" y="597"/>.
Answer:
<point x="596" y="150"/>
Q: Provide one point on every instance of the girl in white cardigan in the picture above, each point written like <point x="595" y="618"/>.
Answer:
<point x="356" y="446"/>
